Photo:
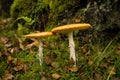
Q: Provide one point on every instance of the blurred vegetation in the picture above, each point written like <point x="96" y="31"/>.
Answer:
<point x="97" y="49"/>
<point x="5" y="8"/>
<point x="103" y="14"/>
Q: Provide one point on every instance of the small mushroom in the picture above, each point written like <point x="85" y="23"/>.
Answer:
<point x="40" y="35"/>
<point x="68" y="29"/>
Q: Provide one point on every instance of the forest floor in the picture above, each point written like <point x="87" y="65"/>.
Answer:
<point x="97" y="59"/>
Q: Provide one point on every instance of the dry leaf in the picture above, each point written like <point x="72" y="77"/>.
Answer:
<point x="8" y="76"/>
<point x="97" y="76"/>
<point x="102" y="65"/>
<point x="83" y="49"/>
<point x="43" y="78"/>
<point x="56" y="75"/>
<point x="48" y="60"/>
<point x="8" y="45"/>
<point x="66" y="68"/>
<point x="17" y="61"/>
<point x="2" y="23"/>
<point x="19" y="65"/>
<point x="23" y="67"/>
<point x="117" y="50"/>
<point x="86" y="39"/>
<point x="73" y="69"/>
<point x="4" y="40"/>
<point x="46" y="44"/>
<point x="18" y="68"/>
<point x="90" y="62"/>
<point x="77" y="20"/>
<point x="9" y="58"/>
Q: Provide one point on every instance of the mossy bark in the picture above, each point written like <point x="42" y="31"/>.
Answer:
<point x="103" y="14"/>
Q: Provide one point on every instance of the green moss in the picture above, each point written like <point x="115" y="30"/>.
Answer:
<point x="22" y="8"/>
<point x="58" y="7"/>
<point x="34" y="9"/>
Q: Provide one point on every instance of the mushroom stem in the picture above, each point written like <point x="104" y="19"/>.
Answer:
<point x="72" y="47"/>
<point x="40" y="52"/>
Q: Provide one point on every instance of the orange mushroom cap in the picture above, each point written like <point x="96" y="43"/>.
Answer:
<point x="70" y="27"/>
<point x="39" y="35"/>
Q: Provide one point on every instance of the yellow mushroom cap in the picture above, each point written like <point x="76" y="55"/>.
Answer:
<point x="70" y="27"/>
<point x="39" y="35"/>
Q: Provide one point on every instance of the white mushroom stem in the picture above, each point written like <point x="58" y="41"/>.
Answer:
<point x="72" y="47"/>
<point x="40" y="52"/>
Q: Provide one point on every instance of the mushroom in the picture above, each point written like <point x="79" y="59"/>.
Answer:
<point x="39" y="35"/>
<point x="68" y="29"/>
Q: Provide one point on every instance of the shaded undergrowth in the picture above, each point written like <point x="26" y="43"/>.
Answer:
<point x="97" y="59"/>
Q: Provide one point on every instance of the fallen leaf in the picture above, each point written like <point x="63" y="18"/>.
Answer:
<point x="8" y="45"/>
<point x="73" y="69"/>
<point x="23" y="67"/>
<point x="2" y="23"/>
<point x="83" y="49"/>
<point x="6" y="54"/>
<point x="48" y="60"/>
<point x="56" y="75"/>
<point x="18" y="68"/>
<point x="9" y="58"/>
<point x="8" y="76"/>
<point x="97" y="76"/>
<point x="17" y="61"/>
<point x="90" y="62"/>
<point x="85" y="39"/>
<point x="4" y="40"/>
<point x="43" y="78"/>
<point x="117" y="50"/>
<point x="66" y="68"/>
<point x="19" y="65"/>
<point x="103" y="65"/>
<point x="46" y="44"/>
<point x="77" y="20"/>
